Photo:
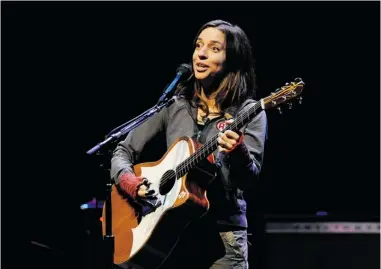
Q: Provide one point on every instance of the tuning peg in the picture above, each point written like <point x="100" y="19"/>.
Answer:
<point x="289" y="105"/>
<point x="279" y="110"/>
<point x="300" y="99"/>
<point x="277" y="90"/>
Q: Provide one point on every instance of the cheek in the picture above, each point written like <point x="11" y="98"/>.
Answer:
<point x="219" y="66"/>
<point x="219" y="62"/>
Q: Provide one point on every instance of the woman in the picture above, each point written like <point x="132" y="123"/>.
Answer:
<point x="221" y="85"/>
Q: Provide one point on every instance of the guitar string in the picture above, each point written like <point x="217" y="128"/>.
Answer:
<point x="247" y="113"/>
<point x="211" y="143"/>
<point x="182" y="167"/>
<point x="201" y="152"/>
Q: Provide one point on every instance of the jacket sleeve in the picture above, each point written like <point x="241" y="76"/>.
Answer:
<point x="247" y="158"/>
<point x="127" y="152"/>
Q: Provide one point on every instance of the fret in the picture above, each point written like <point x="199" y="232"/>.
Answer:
<point x="210" y="146"/>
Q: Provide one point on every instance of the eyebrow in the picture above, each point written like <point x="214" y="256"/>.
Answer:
<point x="212" y="41"/>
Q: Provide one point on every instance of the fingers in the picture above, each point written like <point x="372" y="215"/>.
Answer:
<point x="230" y="121"/>
<point x="224" y="143"/>
<point x="228" y="139"/>
<point x="232" y="135"/>
<point x="146" y="193"/>
<point x="221" y="149"/>
<point x="144" y="190"/>
<point x="151" y="194"/>
<point x="224" y="146"/>
<point x="146" y="182"/>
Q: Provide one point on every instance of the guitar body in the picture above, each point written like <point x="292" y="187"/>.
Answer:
<point x="145" y="235"/>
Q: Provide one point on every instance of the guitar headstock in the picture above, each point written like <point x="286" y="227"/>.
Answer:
<point x="284" y="94"/>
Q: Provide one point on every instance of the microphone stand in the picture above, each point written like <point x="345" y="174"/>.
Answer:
<point x="97" y="149"/>
<point x="162" y="97"/>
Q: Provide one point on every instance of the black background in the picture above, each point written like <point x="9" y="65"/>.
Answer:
<point x="72" y="71"/>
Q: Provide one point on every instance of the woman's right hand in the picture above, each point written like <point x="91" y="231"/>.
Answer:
<point x="144" y="191"/>
<point x="135" y="186"/>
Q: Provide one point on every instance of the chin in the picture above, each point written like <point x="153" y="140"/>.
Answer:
<point x="201" y="76"/>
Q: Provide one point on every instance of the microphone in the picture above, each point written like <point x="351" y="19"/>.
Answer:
<point x="183" y="69"/>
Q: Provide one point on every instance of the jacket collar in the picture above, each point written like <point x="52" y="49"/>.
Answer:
<point x="230" y="112"/>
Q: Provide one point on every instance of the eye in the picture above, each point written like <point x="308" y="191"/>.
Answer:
<point x="198" y="45"/>
<point x="215" y="49"/>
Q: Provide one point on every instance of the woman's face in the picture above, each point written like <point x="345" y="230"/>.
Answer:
<point x="209" y="55"/>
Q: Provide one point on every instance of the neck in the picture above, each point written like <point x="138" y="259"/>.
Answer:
<point x="209" y="98"/>
<point x="209" y="90"/>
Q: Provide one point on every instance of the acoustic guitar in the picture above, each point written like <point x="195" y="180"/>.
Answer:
<point x="146" y="233"/>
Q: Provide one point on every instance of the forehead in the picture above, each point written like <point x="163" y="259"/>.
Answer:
<point x="212" y="34"/>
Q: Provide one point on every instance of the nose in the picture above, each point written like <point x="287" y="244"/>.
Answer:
<point x="202" y="53"/>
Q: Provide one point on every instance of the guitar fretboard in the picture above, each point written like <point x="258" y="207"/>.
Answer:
<point x="210" y="146"/>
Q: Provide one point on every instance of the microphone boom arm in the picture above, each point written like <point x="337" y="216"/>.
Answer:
<point x="181" y="70"/>
<point x="132" y="124"/>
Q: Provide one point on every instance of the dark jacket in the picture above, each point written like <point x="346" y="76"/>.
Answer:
<point x="234" y="170"/>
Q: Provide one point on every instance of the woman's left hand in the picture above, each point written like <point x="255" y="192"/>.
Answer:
<point x="228" y="141"/>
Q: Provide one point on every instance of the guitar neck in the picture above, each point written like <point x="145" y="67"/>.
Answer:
<point x="210" y="146"/>
<point x="280" y="96"/>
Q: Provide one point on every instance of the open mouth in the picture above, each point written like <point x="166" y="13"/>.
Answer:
<point x="200" y="67"/>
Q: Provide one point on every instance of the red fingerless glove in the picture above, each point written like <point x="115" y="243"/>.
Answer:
<point x="239" y="142"/>
<point x="239" y="154"/>
<point x="130" y="183"/>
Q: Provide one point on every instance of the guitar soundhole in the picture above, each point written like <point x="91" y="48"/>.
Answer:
<point x="167" y="182"/>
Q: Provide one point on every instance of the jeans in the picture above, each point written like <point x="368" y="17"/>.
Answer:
<point x="207" y="248"/>
<point x="236" y="251"/>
